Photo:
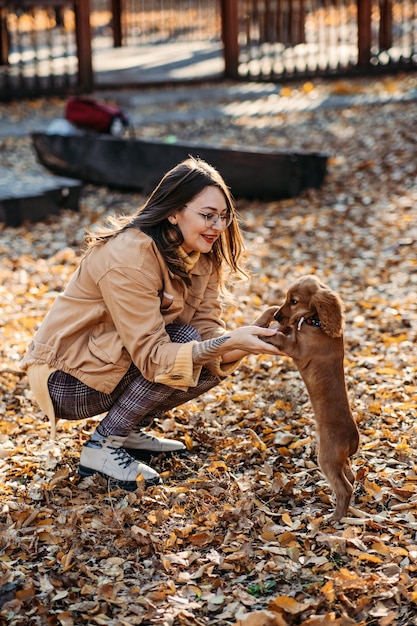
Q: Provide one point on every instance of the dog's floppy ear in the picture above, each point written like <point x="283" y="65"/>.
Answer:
<point x="330" y="310"/>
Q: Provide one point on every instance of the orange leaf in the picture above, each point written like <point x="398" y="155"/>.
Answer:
<point x="27" y="593"/>
<point x="328" y="591"/>
<point x="217" y="465"/>
<point x="289" y="605"/>
<point x="372" y="558"/>
<point x="189" y="443"/>
<point x="372" y="488"/>
<point x="201" y="539"/>
<point x="261" y="618"/>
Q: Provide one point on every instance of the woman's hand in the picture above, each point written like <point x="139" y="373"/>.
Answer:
<point x="235" y="345"/>
<point x="249" y="340"/>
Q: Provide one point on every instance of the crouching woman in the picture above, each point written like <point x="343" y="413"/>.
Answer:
<point x="138" y="329"/>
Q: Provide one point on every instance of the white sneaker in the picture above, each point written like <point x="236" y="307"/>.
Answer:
<point x="142" y="445"/>
<point x="110" y="459"/>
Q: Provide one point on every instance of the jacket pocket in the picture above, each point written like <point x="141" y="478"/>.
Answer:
<point x="106" y="346"/>
<point x="166" y="300"/>
<point x="193" y="302"/>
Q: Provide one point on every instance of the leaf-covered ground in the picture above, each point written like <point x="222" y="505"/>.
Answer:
<point x="236" y="535"/>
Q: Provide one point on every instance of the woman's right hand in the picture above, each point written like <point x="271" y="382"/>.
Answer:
<point x="249" y="340"/>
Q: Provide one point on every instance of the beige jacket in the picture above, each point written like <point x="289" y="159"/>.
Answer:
<point x="115" y="310"/>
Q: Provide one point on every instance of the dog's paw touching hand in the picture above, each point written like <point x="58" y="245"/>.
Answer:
<point x="264" y="320"/>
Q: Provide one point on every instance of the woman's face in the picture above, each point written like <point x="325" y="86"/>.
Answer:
<point x="202" y="220"/>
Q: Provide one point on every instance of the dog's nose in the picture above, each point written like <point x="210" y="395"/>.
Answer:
<point x="278" y="316"/>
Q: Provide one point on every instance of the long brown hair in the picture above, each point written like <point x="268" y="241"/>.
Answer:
<point x="176" y="189"/>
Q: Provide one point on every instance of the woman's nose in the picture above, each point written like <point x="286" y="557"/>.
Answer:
<point x="218" y="224"/>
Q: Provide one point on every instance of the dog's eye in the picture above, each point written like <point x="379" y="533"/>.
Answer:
<point x="293" y="301"/>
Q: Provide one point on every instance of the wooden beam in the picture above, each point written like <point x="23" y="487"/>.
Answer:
<point x="364" y="32"/>
<point x="385" y="25"/>
<point x="4" y="38"/>
<point x="230" y="36"/>
<point x="116" y="11"/>
<point x="83" y="34"/>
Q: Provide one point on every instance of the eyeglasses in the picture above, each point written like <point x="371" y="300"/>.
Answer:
<point x="212" y="218"/>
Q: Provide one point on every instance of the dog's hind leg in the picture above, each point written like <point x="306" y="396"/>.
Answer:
<point x="341" y="485"/>
<point x="349" y="473"/>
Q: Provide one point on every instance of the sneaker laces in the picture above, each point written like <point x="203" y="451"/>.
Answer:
<point x="122" y="456"/>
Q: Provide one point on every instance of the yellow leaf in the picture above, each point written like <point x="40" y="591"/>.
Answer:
<point x="372" y="488"/>
<point x="281" y="404"/>
<point x="406" y="406"/>
<point x="375" y="408"/>
<point x="398" y="551"/>
<point x="395" y="339"/>
<point x="217" y="465"/>
<point x="286" y="519"/>
<point x="267" y="536"/>
<point x="301" y="443"/>
<point x="348" y="580"/>
<point x="372" y="558"/>
<point x="328" y="591"/>
<point x="403" y="445"/>
<point x="189" y="443"/>
<point x="380" y="548"/>
<point x="171" y="541"/>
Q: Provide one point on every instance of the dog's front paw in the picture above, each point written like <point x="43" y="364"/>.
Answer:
<point x="265" y="319"/>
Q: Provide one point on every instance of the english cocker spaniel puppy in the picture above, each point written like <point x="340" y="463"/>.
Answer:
<point x="310" y="330"/>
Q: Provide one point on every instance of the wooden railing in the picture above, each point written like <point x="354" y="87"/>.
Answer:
<point x="46" y="48"/>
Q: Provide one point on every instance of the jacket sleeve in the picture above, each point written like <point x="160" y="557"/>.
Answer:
<point x="209" y="322"/>
<point x="134" y="304"/>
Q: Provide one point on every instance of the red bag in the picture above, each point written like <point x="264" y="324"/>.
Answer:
<point x="92" y="114"/>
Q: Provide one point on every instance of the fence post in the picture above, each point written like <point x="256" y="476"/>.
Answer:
<point x="385" y="25"/>
<point x="364" y="32"/>
<point x="83" y="34"/>
<point x="230" y="33"/>
<point x="4" y="38"/>
<point x="116" y="15"/>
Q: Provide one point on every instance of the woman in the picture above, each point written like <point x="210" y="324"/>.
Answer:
<point x="138" y="330"/>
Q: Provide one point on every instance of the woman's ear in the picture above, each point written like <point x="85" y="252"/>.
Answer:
<point x="172" y="219"/>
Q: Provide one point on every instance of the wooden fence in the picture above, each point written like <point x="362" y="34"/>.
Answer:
<point x="48" y="47"/>
<point x="298" y="38"/>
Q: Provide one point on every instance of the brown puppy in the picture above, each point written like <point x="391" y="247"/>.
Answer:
<point x="310" y="326"/>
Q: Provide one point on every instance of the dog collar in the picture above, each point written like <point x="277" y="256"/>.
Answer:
<point x="310" y="321"/>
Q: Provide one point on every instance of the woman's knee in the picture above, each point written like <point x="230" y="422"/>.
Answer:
<point x="182" y="333"/>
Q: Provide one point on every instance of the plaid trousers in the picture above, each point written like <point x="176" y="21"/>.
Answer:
<point x="134" y="402"/>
